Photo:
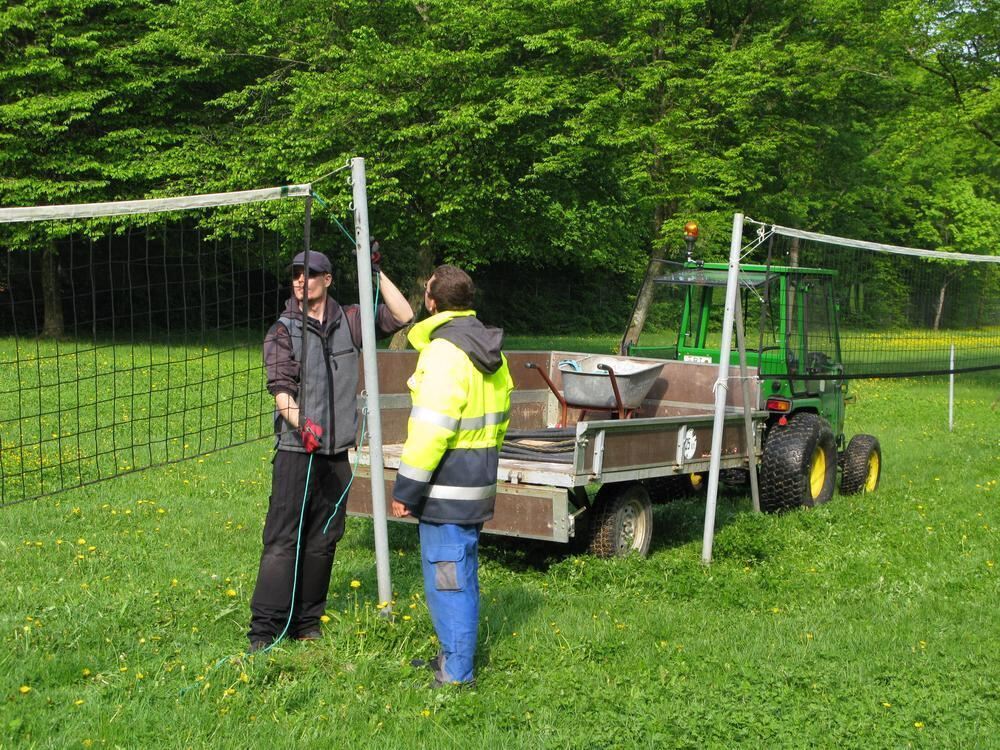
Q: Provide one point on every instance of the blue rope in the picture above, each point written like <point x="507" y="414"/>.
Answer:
<point x="364" y="422"/>
<point x="336" y="221"/>
<point x="298" y="552"/>
<point x="295" y="583"/>
<point x="354" y="471"/>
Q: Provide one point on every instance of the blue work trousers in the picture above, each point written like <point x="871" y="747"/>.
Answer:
<point x="449" y="555"/>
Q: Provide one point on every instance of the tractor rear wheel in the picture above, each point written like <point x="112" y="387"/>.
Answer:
<point x="622" y="521"/>
<point x="862" y="465"/>
<point x="799" y="465"/>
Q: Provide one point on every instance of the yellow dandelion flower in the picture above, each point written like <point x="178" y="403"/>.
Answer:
<point x="425" y="713"/>
<point x="229" y="691"/>
<point x="324" y="619"/>
<point x="887" y="705"/>
<point x="25" y="689"/>
<point x="81" y="540"/>
<point x="407" y="617"/>
<point x="86" y="672"/>
<point x="230" y="592"/>
<point x="355" y="584"/>
<point x="918" y="724"/>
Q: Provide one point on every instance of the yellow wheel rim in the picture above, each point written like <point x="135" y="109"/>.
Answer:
<point x="817" y="473"/>
<point x="873" y="469"/>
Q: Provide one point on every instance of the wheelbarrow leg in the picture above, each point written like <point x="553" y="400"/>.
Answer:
<point x="614" y="387"/>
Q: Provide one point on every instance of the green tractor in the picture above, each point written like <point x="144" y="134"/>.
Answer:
<point x="789" y="319"/>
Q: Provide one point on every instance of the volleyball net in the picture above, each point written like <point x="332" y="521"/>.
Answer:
<point x="130" y="332"/>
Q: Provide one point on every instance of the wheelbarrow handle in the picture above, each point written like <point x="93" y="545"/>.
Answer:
<point x="552" y="387"/>
<point x="614" y="387"/>
<point x="547" y="379"/>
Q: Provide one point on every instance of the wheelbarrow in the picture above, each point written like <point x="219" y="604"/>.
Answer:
<point x="601" y="384"/>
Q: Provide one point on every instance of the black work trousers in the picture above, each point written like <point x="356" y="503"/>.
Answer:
<point x="272" y="596"/>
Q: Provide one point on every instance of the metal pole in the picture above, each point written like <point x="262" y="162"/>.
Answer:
<point x="722" y="387"/>
<point x="368" y="351"/>
<point x="951" y="391"/>
<point x="306" y="242"/>
<point x="747" y="417"/>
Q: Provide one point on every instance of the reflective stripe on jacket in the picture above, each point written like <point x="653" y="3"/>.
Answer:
<point x="460" y="414"/>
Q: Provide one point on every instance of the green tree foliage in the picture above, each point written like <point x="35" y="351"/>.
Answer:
<point x="556" y="138"/>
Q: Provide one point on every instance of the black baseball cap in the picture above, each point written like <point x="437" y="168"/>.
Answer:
<point x="318" y="262"/>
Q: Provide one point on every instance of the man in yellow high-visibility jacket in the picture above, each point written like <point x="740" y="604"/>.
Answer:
<point x="448" y="473"/>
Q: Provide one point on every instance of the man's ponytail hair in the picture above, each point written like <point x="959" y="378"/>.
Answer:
<point x="452" y="288"/>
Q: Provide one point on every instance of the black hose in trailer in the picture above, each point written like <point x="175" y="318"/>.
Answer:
<point x="554" y="445"/>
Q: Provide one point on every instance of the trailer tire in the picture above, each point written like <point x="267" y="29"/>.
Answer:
<point x="622" y="521"/>
<point x="862" y="463"/>
<point x="799" y="465"/>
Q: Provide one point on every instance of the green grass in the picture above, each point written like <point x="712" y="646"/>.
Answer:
<point x="868" y="622"/>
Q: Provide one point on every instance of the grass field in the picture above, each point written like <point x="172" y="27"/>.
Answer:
<point x="868" y="622"/>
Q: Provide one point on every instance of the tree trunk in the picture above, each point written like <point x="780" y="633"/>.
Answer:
<point x="645" y="296"/>
<point x="51" y="293"/>
<point x="793" y="253"/>
<point x="939" y="308"/>
<point x="425" y="267"/>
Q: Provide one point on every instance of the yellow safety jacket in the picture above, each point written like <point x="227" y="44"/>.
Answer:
<point x="461" y="408"/>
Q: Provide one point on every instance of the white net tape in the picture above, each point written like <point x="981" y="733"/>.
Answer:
<point x="150" y="206"/>
<point x="877" y="246"/>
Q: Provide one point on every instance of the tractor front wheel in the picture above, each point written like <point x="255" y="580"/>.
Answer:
<point x="799" y="465"/>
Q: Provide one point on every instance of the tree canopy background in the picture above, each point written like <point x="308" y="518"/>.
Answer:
<point x="552" y="147"/>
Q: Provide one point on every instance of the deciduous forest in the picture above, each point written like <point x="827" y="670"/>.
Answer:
<point x="551" y="146"/>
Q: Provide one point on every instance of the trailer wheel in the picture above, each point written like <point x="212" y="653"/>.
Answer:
<point x="799" y="465"/>
<point x="622" y="522"/>
<point x="862" y="465"/>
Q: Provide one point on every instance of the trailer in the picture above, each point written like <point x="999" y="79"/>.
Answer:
<point x="583" y="466"/>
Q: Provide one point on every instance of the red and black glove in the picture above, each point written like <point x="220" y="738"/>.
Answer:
<point x="312" y="436"/>
<point x="376" y="258"/>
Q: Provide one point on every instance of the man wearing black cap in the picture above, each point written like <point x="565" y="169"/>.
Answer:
<point x="314" y="430"/>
